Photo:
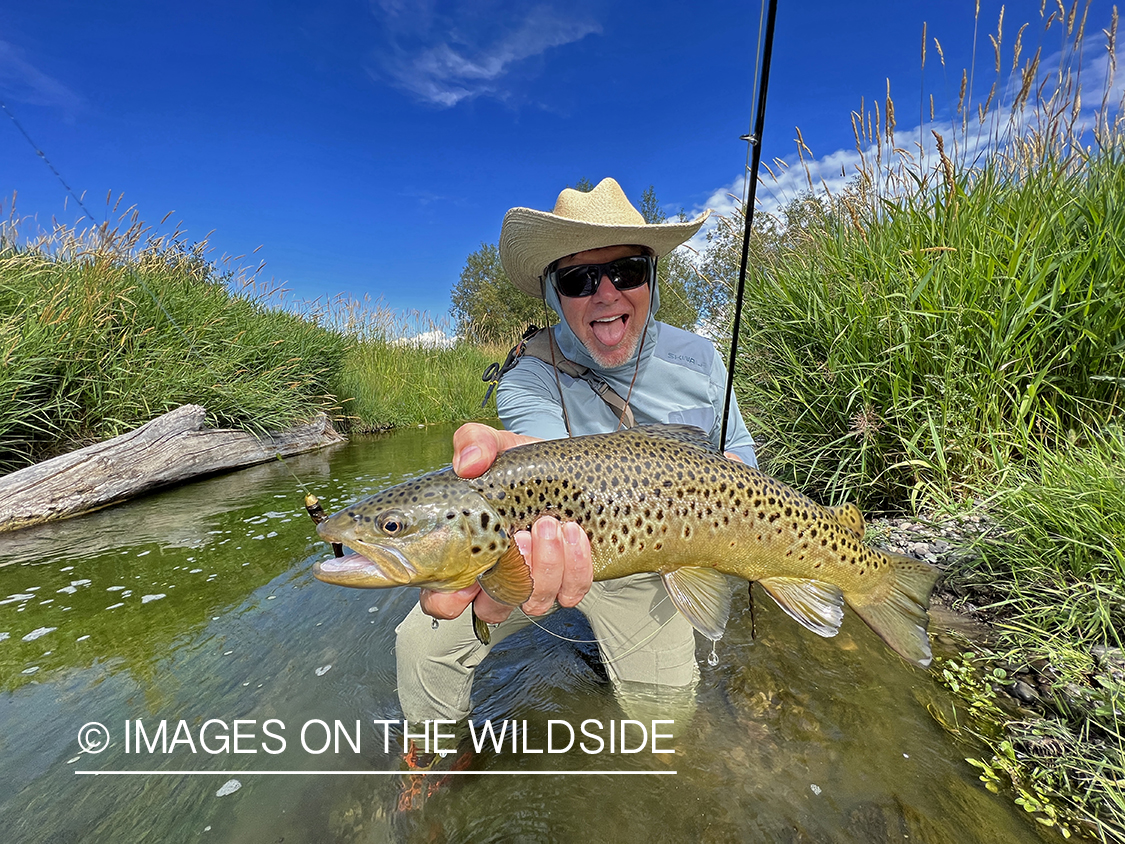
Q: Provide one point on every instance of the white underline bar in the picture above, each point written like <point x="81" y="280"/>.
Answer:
<point x="370" y="773"/>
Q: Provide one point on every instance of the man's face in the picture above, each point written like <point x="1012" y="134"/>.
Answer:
<point x="609" y="323"/>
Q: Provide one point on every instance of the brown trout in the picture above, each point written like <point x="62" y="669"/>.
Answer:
<point x="657" y="498"/>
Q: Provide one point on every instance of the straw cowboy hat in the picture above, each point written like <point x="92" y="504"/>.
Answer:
<point x="530" y="240"/>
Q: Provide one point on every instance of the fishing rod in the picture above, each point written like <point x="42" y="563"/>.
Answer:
<point x="755" y="140"/>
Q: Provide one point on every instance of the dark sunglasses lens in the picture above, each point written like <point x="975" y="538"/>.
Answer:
<point x="627" y="273"/>
<point x="582" y="280"/>
<point x="574" y="282"/>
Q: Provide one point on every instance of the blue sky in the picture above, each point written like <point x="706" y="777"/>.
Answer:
<point x="366" y="148"/>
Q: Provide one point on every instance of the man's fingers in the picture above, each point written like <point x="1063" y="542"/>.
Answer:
<point x="450" y="605"/>
<point x="475" y="447"/>
<point x="489" y="610"/>
<point x="547" y="562"/>
<point x="578" y="568"/>
<point x="447" y="605"/>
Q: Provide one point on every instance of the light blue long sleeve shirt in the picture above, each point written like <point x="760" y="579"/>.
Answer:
<point x="680" y="379"/>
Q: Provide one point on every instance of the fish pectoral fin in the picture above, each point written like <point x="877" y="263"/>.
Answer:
<point x="703" y="596"/>
<point x="817" y="605"/>
<point x="509" y="581"/>
<point x="480" y="628"/>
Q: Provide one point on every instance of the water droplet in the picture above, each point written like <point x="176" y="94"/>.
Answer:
<point x="713" y="657"/>
<point x="434" y="625"/>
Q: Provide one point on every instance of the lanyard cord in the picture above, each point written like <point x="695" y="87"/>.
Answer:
<point x="755" y="139"/>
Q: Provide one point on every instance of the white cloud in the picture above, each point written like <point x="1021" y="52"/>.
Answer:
<point x="21" y="81"/>
<point x="435" y="339"/>
<point x="445" y="59"/>
<point x="791" y="178"/>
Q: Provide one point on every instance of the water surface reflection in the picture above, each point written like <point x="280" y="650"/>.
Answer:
<point x="198" y="604"/>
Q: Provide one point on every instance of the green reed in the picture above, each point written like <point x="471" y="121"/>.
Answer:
<point x="915" y="333"/>
<point x="104" y="329"/>
<point x="407" y="370"/>
<point x="950" y="328"/>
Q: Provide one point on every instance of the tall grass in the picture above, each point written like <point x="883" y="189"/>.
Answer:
<point x="912" y="335"/>
<point x="1052" y="576"/>
<point x="406" y="370"/>
<point x="103" y="329"/>
<point x="950" y="327"/>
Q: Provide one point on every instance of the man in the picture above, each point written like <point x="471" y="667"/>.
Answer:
<point x="594" y="260"/>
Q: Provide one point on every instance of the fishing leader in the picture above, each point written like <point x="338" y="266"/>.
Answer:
<point x="607" y="363"/>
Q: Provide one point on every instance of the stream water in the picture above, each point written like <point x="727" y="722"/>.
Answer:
<point x="195" y="608"/>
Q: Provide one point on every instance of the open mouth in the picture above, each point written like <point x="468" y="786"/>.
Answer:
<point x="347" y="563"/>
<point x="374" y="566"/>
<point x="609" y="331"/>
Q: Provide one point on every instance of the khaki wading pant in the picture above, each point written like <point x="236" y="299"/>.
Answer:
<point x="645" y="643"/>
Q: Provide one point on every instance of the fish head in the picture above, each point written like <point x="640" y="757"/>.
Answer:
<point x="435" y="532"/>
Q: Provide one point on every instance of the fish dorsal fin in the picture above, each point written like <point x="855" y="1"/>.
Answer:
<point x="848" y="516"/>
<point x="688" y="435"/>
<point x="509" y="581"/>
<point x="817" y="605"/>
<point x="703" y="596"/>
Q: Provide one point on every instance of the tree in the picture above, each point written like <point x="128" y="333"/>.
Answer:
<point x="673" y="271"/>
<point x="650" y="208"/>
<point x="487" y="306"/>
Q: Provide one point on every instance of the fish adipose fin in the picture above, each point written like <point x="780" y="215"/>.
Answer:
<point x="817" y="605"/>
<point x="687" y="435"/>
<point x="896" y="610"/>
<point x="509" y="581"/>
<point x="703" y="596"/>
<point x="849" y="517"/>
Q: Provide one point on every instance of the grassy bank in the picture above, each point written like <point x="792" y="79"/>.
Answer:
<point x="948" y="332"/>
<point x="104" y="329"/>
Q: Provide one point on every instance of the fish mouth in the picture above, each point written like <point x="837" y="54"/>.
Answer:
<point x="374" y="566"/>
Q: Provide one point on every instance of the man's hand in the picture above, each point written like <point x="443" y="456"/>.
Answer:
<point x="558" y="553"/>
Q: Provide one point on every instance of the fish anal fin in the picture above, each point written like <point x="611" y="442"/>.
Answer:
<point x="703" y="596"/>
<point x="509" y="581"/>
<point x="817" y="605"/>
<point x="896" y="609"/>
<point x="849" y="517"/>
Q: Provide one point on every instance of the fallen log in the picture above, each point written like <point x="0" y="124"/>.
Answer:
<point x="170" y="449"/>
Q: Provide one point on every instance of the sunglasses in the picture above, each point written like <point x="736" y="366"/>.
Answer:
<point x="582" y="280"/>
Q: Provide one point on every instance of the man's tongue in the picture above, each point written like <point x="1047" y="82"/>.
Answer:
<point x="609" y="333"/>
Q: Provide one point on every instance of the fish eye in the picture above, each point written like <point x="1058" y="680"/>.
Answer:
<point x="392" y="522"/>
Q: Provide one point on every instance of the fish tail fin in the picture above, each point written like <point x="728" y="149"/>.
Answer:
<point x="896" y="608"/>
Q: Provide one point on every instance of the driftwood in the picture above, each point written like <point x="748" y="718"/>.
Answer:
<point x="170" y="449"/>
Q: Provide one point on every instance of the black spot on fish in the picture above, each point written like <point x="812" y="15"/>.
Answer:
<point x="484" y="521"/>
